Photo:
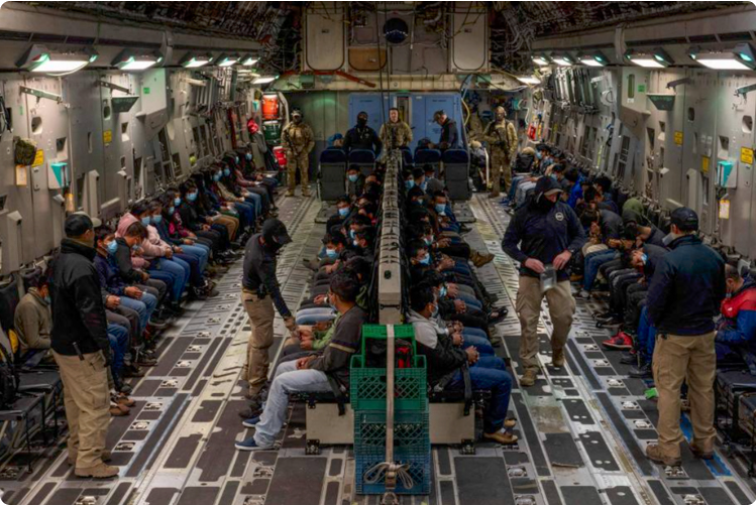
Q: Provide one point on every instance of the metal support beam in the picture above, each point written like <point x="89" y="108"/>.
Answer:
<point x="41" y="94"/>
<point x="106" y="84"/>
<point x="675" y="84"/>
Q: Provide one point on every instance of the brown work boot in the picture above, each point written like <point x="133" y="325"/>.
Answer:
<point x="480" y="259"/>
<point x="118" y="409"/>
<point x="503" y="438"/>
<point x="529" y="377"/>
<point x="124" y="400"/>
<point x="510" y="423"/>
<point x="699" y="454"/>
<point x="105" y="456"/>
<point x="557" y="358"/>
<point x="653" y="452"/>
<point x="101" y="470"/>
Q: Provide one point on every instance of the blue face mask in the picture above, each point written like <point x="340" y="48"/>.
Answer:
<point x="177" y="201"/>
<point x="410" y="183"/>
<point x="434" y="314"/>
<point x="248" y="156"/>
<point x="442" y="291"/>
<point x="146" y="220"/>
<point x="441" y="208"/>
<point x="353" y="177"/>
<point x="343" y="211"/>
<point x="226" y="172"/>
<point x="539" y="155"/>
<point x="157" y="219"/>
<point x="48" y="299"/>
<point x="112" y="247"/>
<point x="419" y="202"/>
<point x="171" y="210"/>
<point x="424" y="185"/>
<point x="135" y="247"/>
<point x="216" y="177"/>
<point x="351" y="233"/>
<point x="331" y="253"/>
<point x="236" y="159"/>
<point x="426" y="259"/>
<point x="191" y="197"/>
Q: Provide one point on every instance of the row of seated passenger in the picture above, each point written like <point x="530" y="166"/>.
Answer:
<point x="160" y="253"/>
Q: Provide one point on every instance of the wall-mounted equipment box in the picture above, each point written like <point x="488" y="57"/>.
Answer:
<point x="58" y="176"/>
<point x="662" y="102"/>
<point x="727" y="174"/>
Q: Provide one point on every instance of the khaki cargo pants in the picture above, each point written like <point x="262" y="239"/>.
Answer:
<point x="691" y="359"/>
<point x="303" y="163"/>
<point x="528" y="306"/>
<point x="500" y="165"/>
<point x="87" y="400"/>
<point x="262" y="314"/>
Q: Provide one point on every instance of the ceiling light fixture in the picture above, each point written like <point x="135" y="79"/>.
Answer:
<point x="657" y="58"/>
<point x="195" y="61"/>
<point x="130" y="61"/>
<point x="264" y="79"/>
<point x="541" y="60"/>
<point x="593" y="59"/>
<point x="249" y="60"/>
<point x="528" y="79"/>
<point x="563" y="59"/>
<point x="739" y="58"/>
<point x="228" y="60"/>
<point x="55" y="62"/>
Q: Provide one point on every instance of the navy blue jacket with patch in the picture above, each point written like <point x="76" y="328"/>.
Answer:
<point x="687" y="288"/>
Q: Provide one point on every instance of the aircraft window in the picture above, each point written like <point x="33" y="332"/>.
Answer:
<point x="747" y="124"/>
<point x="36" y="125"/>
<point x="61" y="146"/>
<point x="705" y="190"/>
<point x="662" y="126"/>
<point x="691" y="114"/>
<point x="651" y="137"/>
<point x="106" y="111"/>
<point x="125" y="132"/>
<point x="123" y="163"/>
<point x="90" y="146"/>
<point x="631" y="86"/>
<point x="177" y="171"/>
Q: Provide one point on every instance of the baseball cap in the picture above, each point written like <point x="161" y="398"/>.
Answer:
<point x="685" y="219"/>
<point x="78" y="223"/>
<point x="275" y="229"/>
<point x="547" y="186"/>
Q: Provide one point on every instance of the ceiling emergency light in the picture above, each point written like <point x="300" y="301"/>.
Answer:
<point x="129" y="61"/>
<point x="195" y="61"/>
<point x="541" y="59"/>
<point x="228" y="60"/>
<point x="740" y="58"/>
<point x="249" y="60"/>
<point x="529" y="79"/>
<point x="657" y="58"/>
<point x="264" y="79"/>
<point x="563" y="59"/>
<point x="593" y="59"/>
<point x="42" y="59"/>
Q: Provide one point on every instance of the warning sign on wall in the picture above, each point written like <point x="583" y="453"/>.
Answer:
<point x="705" y="160"/>
<point x="39" y="158"/>
<point x="678" y="138"/>
<point x="107" y="136"/>
<point x="746" y="155"/>
<point x="724" y="209"/>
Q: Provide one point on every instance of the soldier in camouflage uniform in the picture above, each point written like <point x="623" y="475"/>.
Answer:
<point x="297" y="140"/>
<point x="395" y="133"/>
<point x="501" y="136"/>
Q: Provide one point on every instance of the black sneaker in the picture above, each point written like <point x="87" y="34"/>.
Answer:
<point x="643" y="371"/>
<point x="629" y="358"/>
<point x="254" y="410"/>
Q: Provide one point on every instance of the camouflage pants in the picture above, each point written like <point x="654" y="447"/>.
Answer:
<point x="500" y="165"/>
<point x="303" y="163"/>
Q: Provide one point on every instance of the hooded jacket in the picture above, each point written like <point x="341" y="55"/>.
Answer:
<point x="543" y="233"/>
<point x="443" y="357"/>
<point x="78" y="310"/>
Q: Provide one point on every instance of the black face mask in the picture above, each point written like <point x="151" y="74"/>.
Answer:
<point x="361" y="122"/>
<point x="545" y="204"/>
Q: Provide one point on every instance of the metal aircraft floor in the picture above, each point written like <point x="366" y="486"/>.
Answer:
<point x="582" y="429"/>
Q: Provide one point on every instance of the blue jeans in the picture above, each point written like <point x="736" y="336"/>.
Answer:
<point x="200" y="251"/>
<point x="513" y="188"/>
<point x="255" y="200"/>
<point x="287" y="379"/>
<point x="489" y="373"/>
<point x="471" y="301"/>
<point x="144" y="307"/>
<point x="246" y="213"/>
<point x="482" y="344"/>
<point x="646" y="337"/>
<point x="171" y="275"/>
<point x="195" y="273"/>
<point x="119" y="343"/>
<point x="592" y="264"/>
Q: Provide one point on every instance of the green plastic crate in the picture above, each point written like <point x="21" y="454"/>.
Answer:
<point x="367" y="390"/>
<point x="411" y="432"/>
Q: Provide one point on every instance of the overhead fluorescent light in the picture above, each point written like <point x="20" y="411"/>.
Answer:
<point x="593" y="59"/>
<point x="529" y="79"/>
<point x="264" y="79"/>
<point x="656" y="58"/>
<point x="249" y="60"/>
<point x="45" y="60"/>
<point x="130" y="61"/>
<point x="740" y="58"/>
<point x="541" y="60"/>
<point x="195" y="61"/>
<point x="227" y="60"/>
<point x="562" y="59"/>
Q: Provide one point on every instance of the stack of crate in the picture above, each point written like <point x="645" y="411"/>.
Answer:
<point x="411" y="413"/>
